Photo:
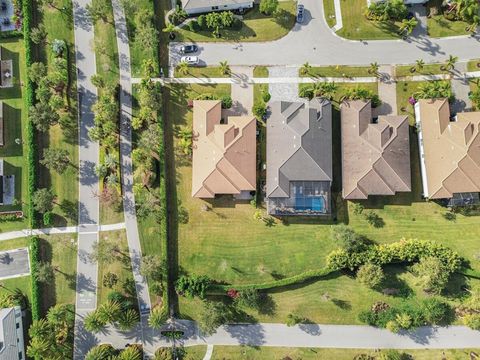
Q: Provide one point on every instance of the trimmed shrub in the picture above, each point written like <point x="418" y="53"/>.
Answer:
<point x="370" y="275"/>
<point x="226" y="101"/>
<point x="34" y="261"/>
<point x="259" y="109"/>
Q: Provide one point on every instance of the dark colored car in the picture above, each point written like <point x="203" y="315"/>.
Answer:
<point x="300" y="10"/>
<point x="188" y="49"/>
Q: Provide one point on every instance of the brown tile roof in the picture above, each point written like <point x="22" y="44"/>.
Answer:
<point x="451" y="149"/>
<point x="224" y="155"/>
<point x="375" y="156"/>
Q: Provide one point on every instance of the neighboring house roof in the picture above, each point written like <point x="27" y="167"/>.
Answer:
<point x="299" y="144"/>
<point x="451" y="149"/>
<point x="9" y="347"/>
<point x="199" y="4"/>
<point x="375" y="156"/>
<point x="224" y="155"/>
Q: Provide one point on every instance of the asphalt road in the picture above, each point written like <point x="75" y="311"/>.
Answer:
<point x="314" y="42"/>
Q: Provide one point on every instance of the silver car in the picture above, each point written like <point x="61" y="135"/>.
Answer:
<point x="190" y="60"/>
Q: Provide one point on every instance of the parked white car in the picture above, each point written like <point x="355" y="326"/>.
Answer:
<point x="190" y="60"/>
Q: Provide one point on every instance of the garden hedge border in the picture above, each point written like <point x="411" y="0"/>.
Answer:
<point x="11" y="34"/>
<point x="29" y="101"/>
<point x="34" y="259"/>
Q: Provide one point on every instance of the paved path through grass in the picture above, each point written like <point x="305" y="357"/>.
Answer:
<point x="89" y="209"/>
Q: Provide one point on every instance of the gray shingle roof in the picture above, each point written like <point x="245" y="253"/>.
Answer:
<point x="299" y="144"/>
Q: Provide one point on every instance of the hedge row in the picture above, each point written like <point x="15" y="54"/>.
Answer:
<point x="10" y="34"/>
<point x="29" y="101"/>
<point x="34" y="260"/>
<point x="402" y="251"/>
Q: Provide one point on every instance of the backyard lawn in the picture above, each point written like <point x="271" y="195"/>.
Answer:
<point x="357" y="27"/>
<point x="256" y="27"/>
<point x="59" y="25"/>
<point x="15" y="149"/>
<point x="329" y="12"/>
<point x="439" y="26"/>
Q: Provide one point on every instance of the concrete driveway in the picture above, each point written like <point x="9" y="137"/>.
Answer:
<point x="314" y="42"/>
<point x="14" y="263"/>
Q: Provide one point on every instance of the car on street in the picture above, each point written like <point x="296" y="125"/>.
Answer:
<point x="190" y="60"/>
<point x="188" y="49"/>
<point x="300" y="11"/>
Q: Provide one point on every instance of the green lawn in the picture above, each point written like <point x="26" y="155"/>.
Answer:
<point x="123" y="269"/>
<point x="202" y="72"/>
<point x="329" y="12"/>
<point x="61" y="252"/>
<point x="357" y="27"/>
<point x="138" y="52"/>
<point x="439" y="26"/>
<point x="267" y="352"/>
<point x="256" y="27"/>
<point x="338" y="71"/>
<point x="59" y="25"/>
<point x="428" y="69"/>
<point x="106" y="53"/>
<point x="15" y="121"/>
<point x="473" y="65"/>
<point x="260" y="72"/>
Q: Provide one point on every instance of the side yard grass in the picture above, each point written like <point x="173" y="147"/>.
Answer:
<point x="14" y="152"/>
<point x="329" y="12"/>
<point x="256" y="27"/>
<point x="357" y="27"/>
<point x="428" y="69"/>
<point x="202" y="72"/>
<point x="338" y="71"/>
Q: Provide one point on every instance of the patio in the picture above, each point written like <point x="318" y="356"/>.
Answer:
<point x="6" y="72"/>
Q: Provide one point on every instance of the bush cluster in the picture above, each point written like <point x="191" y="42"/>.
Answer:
<point x="225" y="99"/>
<point x="34" y="261"/>
<point x="403" y="251"/>
<point x="192" y="286"/>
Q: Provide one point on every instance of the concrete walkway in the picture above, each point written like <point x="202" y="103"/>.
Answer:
<point x="338" y="16"/>
<point x="87" y="271"/>
<point x="54" y="231"/>
<point x="460" y="88"/>
<point x="133" y="237"/>
<point x="209" y="353"/>
<point x="387" y="91"/>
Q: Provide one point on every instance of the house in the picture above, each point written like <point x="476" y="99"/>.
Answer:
<point x="449" y="152"/>
<point x="6" y="71"/>
<point x="193" y="7"/>
<point x="406" y="2"/>
<point x="224" y="153"/>
<point x="11" y="334"/>
<point x="1" y="124"/>
<point x="7" y="186"/>
<point x="299" y="158"/>
<point x="375" y="152"/>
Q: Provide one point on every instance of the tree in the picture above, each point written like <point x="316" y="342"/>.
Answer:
<point x="101" y="352"/>
<point x="451" y="61"/>
<point x="370" y="275"/>
<point x="110" y="280"/>
<point x="45" y="272"/>
<point x="404" y="321"/>
<point x="110" y="311"/>
<point x="170" y="29"/>
<point x="61" y="315"/>
<point x="214" y="21"/>
<point x="97" y="10"/>
<point x="157" y="317"/>
<point x="472" y="321"/>
<point x="259" y="109"/>
<point x="182" y="67"/>
<point x="408" y="25"/>
<point x="38" y="347"/>
<point x="42" y="116"/>
<point x="93" y="322"/>
<point x="43" y="200"/>
<point x="434" y="90"/>
<point x="55" y="159"/>
<point x="225" y="68"/>
<point x="128" y="319"/>
<point x="305" y="69"/>
<point x="105" y="251"/>
<point x="131" y="352"/>
<point x="419" y="65"/>
<point x="152" y="267"/>
<point x="38" y="34"/>
<point x="249" y="298"/>
<point x="193" y="285"/>
<point x="432" y="274"/>
<point x="348" y="239"/>
<point x="37" y="71"/>
<point x="374" y="67"/>
<point x="214" y="315"/>
<point x="268" y="7"/>
<point x="97" y="81"/>
<point x="293" y="319"/>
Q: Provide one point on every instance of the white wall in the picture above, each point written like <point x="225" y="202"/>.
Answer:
<point x="245" y="5"/>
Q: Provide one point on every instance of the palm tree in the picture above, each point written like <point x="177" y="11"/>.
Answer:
<point x="40" y="329"/>
<point x="109" y="311"/>
<point x="100" y="352"/>
<point x="157" y="318"/>
<point x="305" y="69"/>
<point x="474" y="96"/>
<point x="225" y="68"/>
<point x="110" y="161"/>
<point x="93" y="322"/>
<point x="182" y="67"/>
<point x="408" y="25"/>
<point x="128" y="319"/>
<point x="329" y="90"/>
<point x="38" y="347"/>
<point x="170" y="29"/>
<point x="450" y="65"/>
<point x="130" y="353"/>
<point x="374" y="67"/>
<point x="419" y="64"/>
